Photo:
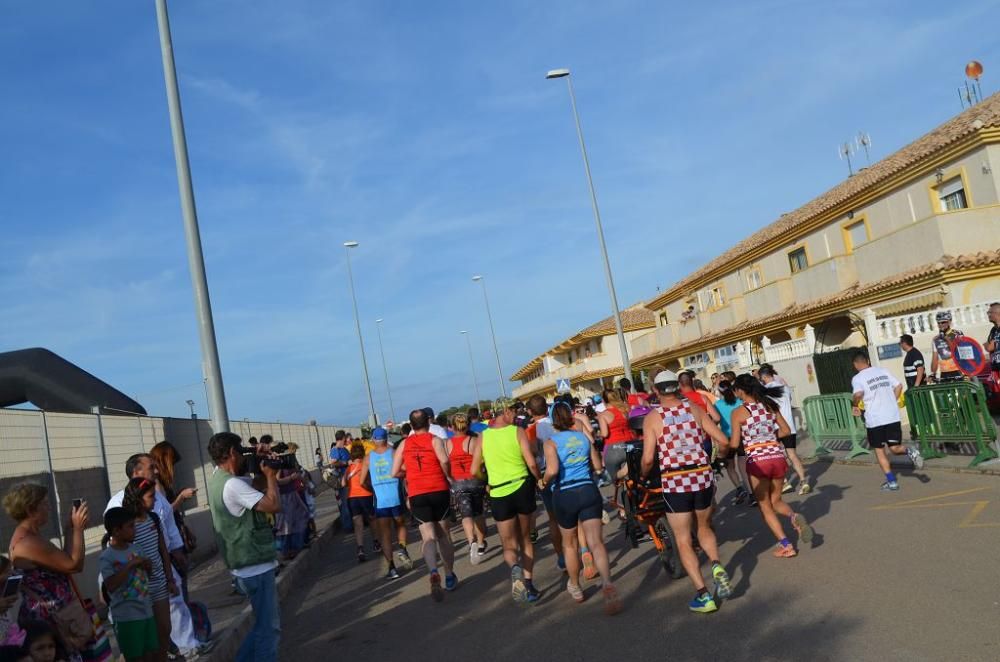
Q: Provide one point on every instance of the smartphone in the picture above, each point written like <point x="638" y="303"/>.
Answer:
<point x="10" y="588"/>
<point x="77" y="503"/>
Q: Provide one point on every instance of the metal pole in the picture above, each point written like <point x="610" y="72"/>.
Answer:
<point x="104" y="453"/>
<point x="201" y="455"/>
<point x="211" y="368"/>
<point x="626" y="364"/>
<point x="55" y="487"/>
<point x="385" y="369"/>
<point x="372" y="419"/>
<point x="493" y="333"/>
<point x="472" y="362"/>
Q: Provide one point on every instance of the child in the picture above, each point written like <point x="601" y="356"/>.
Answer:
<point x="41" y="643"/>
<point x="126" y="580"/>
<point x="10" y="633"/>
<point x="140" y="494"/>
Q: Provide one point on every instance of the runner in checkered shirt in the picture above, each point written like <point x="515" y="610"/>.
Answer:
<point x="676" y="429"/>
<point x="758" y="424"/>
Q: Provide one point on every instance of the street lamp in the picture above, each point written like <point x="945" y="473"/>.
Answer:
<point x="493" y="333"/>
<point x="385" y="369"/>
<point x="372" y="419"/>
<point x="472" y="362"/>
<point x="211" y="368"/>
<point x="190" y="403"/>
<point x="626" y="364"/>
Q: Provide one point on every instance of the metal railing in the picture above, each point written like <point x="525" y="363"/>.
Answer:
<point x="951" y="413"/>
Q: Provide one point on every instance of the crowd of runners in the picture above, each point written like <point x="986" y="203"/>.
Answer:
<point x="680" y="438"/>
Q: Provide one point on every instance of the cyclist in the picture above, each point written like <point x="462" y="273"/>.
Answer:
<point x="941" y="357"/>
<point x="676" y="428"/>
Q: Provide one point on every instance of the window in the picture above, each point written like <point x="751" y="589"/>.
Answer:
<point x="951" y="194"/>
<point x="754" y="278"/>
<point x="663" y="319"/>
<point x="855" y="234"/>
<point x="797" y="260"/>
<point x="717" y="297"/>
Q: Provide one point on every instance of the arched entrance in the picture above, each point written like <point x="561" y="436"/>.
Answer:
<point x="837" y="339"/>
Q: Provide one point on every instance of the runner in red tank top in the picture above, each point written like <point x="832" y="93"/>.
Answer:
<point x="468" y="489"/>
<point x="421" y="458"/>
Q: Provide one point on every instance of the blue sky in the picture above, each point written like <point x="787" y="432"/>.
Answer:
<point x="427" y="132"/>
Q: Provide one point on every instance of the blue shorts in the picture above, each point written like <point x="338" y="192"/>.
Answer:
<point x="393" y="512"/>
<point x="547" y="498"/>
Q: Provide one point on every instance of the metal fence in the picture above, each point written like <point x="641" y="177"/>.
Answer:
<point x="83" y="455"/>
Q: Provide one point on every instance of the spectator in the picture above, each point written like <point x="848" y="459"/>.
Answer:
<point x="47" y="589"/>
<point x="126" y="572"/>
<point x="142" y="465"/>
<point x="10" y="632"/>
<point x="993" y="341"/>
<point x="165" y="457"/>
<point x="339" y="457"/>
<point x="246" y="541"/>
<point x="42" y="643"/>
<point x="913" y="363"/>
<point x="319" y="458"/>
<point x="291" y="523"/>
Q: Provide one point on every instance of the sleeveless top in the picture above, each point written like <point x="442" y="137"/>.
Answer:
<point x="423" y="470"/>
<point x="760" y="434"/>
<point x="504" y="462"/>
<point x="386" y="487"/>
<point x="573" y="450"/>
<point x="726" y="414"/>
<point x="684" y="464"/>
<point x="355" y="489"/>
<point x="461" y="459"/>
<point x="618" y="428"/>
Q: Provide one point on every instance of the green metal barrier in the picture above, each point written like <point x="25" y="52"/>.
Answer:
<point x="950" y="413"/>
<point x="829" y="418"/>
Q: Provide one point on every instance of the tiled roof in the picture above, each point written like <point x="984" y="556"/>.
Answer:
<point x="633" y="318"/>
<point x="980" y="116"/>
<point x="843" y="300"/>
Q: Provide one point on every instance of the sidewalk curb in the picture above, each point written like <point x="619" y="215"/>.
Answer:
<point x="228" y="643"/>
<point x="989" y="471"/>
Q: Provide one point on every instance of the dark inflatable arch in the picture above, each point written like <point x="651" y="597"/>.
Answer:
<point x="52" y="383"/>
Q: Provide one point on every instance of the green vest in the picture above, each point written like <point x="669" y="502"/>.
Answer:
<point x="504" y="462"/>
<point x="245" y="540"/>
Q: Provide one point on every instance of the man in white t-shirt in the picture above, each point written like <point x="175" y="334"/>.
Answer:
<point x="880" y="392"/>
<point x="246" y="540"/>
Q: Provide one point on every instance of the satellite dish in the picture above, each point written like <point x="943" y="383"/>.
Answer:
<point x="974" y="70"/>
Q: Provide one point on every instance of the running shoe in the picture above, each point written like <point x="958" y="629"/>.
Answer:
<point x="890" y="486"/>
<point x="561" y="562"/>
<point x="802" y="528"/>
<point x="437" y="593"/>
<point x="474" y="558"/>
<point x="483" y="548"/>
<point x="752" y="503"/>
<point x="532" y="595"/>
<point x="377" y="547"/>
<point x="589" y="569"/>
<point x="915" y="457"/>
<point x="804" y="489"/>
<point x="785" y="552"/>
<point x="533" y="536"/>
<point x="741" y="496"/>
<point x="703" y="603"/>
<point x="518" y="590"/>
<point x="787" y="487"/>
<point x="612" y="601"/>
<point x="403" y="560"/>
<point x="392" y="574"/>
<point x="574" y="591"/>
<point x="450" y="582"/>
<point x="723" y="588"/>
<point x="605" y="517"/>
<point x="361" y="555"/>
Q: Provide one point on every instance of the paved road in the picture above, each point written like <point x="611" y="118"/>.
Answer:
<point x="906" y="576"/>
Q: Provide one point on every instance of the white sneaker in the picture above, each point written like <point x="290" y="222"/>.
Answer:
<point x="474" y="557"/>
<point x="916" y="457"/>
<point x="787" y="487"/>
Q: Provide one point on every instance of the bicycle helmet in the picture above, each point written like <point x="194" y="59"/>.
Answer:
<point x="943" y="316"/>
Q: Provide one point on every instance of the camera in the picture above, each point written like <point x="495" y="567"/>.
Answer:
<point x="280" y="459"/>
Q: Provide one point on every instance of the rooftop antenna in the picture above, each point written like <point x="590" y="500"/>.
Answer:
<point x="845" y="150"/>
<point x="973" y="93"/>
<point x="864" y="141"/>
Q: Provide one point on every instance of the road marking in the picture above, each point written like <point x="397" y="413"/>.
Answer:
<point x="970" y="520"/>
<point x="921" y="500"/>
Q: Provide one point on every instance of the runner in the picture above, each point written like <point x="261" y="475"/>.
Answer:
<point x="613" y="422"/>
<point x="880" y="392"/>
<point x="388" y="504"/>
<point x="513" y="472"/>
<point x="423" y="459"/>
<point x="758" y="425"/>
<point x="675" y="428"/>
<point x="941" y="349"/>
<point x="726" y="405"/>
<point x="359" y="498"/>
<point x="539" y="432"/>
<point x="782" y="394"/>
<point x="570" y="460"/>
<point x="468" y="489"/>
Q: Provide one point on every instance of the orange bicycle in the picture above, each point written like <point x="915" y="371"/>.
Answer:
<point x="645" y="510"/>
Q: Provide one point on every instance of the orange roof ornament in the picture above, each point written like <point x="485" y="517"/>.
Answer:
<point x="973" y="94"/>
<point x="974" y="70"/>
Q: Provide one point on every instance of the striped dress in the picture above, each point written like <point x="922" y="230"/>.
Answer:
<point x="147" y="541"/>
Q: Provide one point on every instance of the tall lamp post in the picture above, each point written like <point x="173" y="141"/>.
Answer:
<point x="211" y="368"/>
<point x="472" y="362"/>
<point x="493" y="334"/>
<point x="626" y="364"/>
<point x="372" y="419"/>
<point x="385" y="369"/>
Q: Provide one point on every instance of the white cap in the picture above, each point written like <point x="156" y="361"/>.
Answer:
<point x="665" y="377"/>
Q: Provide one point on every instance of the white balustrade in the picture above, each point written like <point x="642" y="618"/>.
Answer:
<point x="890" y="328"/>
<point x="792" y="349"/>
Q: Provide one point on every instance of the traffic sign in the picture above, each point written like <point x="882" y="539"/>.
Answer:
<point x="969" y="355"/>
<point x="562" y="386"/>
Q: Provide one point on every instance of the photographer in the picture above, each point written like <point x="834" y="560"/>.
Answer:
<point x="245" y="538"/>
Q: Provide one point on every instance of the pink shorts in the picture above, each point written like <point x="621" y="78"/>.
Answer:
<point x="772" y="468"/>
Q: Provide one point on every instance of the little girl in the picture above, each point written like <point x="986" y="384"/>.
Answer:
<point x="41" y="642"/>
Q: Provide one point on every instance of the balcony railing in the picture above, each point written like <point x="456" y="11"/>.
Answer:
<point x="791" y="349"/>
<point x="890" y="328"/>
